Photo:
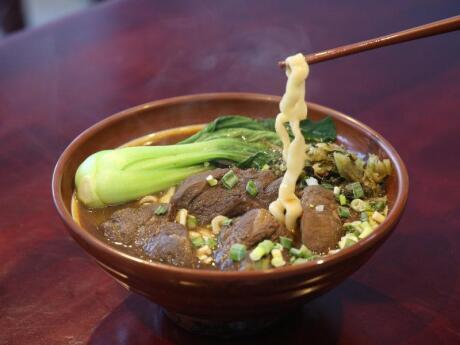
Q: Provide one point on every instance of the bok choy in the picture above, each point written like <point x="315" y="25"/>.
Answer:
<point x="116" y="176"/>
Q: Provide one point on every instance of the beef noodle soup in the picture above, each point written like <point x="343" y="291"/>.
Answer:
<point x="238" y="194"/>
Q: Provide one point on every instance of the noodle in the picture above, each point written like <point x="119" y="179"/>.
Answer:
<point x="293" y="109"/>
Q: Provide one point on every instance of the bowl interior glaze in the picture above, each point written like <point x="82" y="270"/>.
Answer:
<point x="234" y="296"/>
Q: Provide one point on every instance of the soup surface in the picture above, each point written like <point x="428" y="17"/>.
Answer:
<point x="213" y="221"/>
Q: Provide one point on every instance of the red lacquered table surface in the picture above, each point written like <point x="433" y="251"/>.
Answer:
<point x="62" y="78"/>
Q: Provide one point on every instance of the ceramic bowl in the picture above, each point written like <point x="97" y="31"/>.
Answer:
<point x="213" y="301"/>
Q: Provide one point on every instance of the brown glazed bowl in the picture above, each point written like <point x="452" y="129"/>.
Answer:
<point x="227" y="301"/>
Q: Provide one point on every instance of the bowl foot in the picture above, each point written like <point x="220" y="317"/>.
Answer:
<point x="223" y="329"/>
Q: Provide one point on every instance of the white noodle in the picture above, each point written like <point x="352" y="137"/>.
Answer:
<point x="293" y="109"/>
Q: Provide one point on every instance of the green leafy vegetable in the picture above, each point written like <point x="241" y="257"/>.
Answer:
<point x="313" y="131"/>
<point x="115" y="176"/>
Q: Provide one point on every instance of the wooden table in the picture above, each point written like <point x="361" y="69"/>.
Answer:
<point x="60" y="79"/>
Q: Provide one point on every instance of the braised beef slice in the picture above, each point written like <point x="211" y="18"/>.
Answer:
<point x="321" y="231"/>
<point x="151" y="235"/>
<point x="250" y="229"/>
<point x="123" y="224"/>
<point x="168" y="244"/>
<point x="206" y="202"/>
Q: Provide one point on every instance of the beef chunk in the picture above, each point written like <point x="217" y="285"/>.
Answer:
<point x="206" y="202"/>
<point x="123" y="224"/>
<point x="250" y="229"/>
<point x="321" y="231"/>
<point x="168" y="244"/>
<point x="150" y="236"/>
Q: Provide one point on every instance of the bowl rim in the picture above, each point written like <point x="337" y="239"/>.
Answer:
<point x="381" y="232"/>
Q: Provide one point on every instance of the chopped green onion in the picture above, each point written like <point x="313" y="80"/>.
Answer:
<point x="336" y="190"/>
<point x="373" y="224"/>
<point x="344" y="212"/>
<point x="367" y="229"/>
<point x="327" y="186"/>
<point x="343" y="199"/>
<point x="262" y="264"/>
<point x="353" y="226"/>
<point x="378" y="205"/>
<point x="356" y="188"/>
<point x="266" y="245"/>
<point x="251" y="188"/>
<point x="347" y="241"/>
<point x="265" y="167"/>
<point x="211" y="180"/>
<point x="278" y="261"/>
<point x="206" y="164"/>
<point x="191" y="221"/>
<point x="364" y="216"/>
<point x="160" y="210"/>
<point x="378" y="217"/>
<point x="257" y="253"/>
<point x="299" y="261"/>
<point x="210" y="242"/>
<point x="286" y="242"/>
<point x="198" y="242"/>
<point x="237" y="252"/>
<point x="359" y="205"/>
<point x="302" y="252"/>
<point x="227" y="221"/>
<point x="277" y="246"/>
<point x="229" y="180"/>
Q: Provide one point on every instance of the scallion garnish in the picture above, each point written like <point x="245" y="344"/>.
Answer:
<point x="266" y="245"/>
<point x="378" y="205"/>
<point x="359" y="205"/>
<point x="210" y="242"/>
<point x="367" y="229"/>
<point x="278" y="261"/>
<point x="302" y="252"/>
<point x="344" y="212"/>
<point x="342" y="199"/>
<point x="211" y="180"/>
<point x="286" y="242"/>
<point x="161" y="209"/>
<point x="191" y="221"/>
<point x="198" y="242"/>
<point x="356" y="188"/>
<point x="378" y="217"/>
<point x="237" y="252"/>
<point x="347" y="241"/>
<point x="229" y="180"/>
<point x="251" y="188"/>
<point x="257" y="253"/>
<point x="363" y="217"/>
<point x="297" y="261"/>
